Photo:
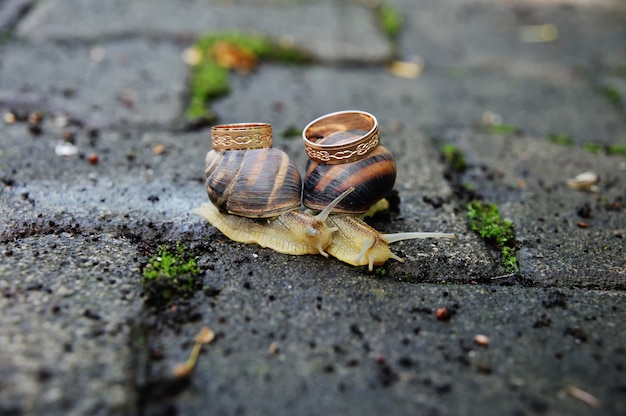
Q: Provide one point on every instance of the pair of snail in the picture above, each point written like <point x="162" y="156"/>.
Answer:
<point x="256" y="192"/>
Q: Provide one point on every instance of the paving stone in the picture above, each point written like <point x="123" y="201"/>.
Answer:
<point x="66" y="307"/>
<point x="125" y="83"/>
<point x="309" y="335"/>
<point x="434" y="102"/>
<point x="360" y="345"/>
<point x="567" y="237"/>
<point x="491" y="33"/>
<point x="11" y="11"/>
<point x="349" y="30"/>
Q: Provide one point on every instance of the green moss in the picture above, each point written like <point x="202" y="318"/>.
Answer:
<point x="170" y="273"/>
<point x="454" y="157"/>
<point x="560" y="139"/>
<point x="613" y="95"/>
<point x="291" y="132"/>
<point x="390" y="20"/>
<point x="616" y="149"/>
<point x="504" y="129"/>
<point x="381" y="271"/>
<point x="611" y="150"/>
<point x="468" y="186"/>
<point x="485" y="219"/>
<point x="620" y="71"/>
<point x="593" y="147"/>
<point x="209" y="80"/>
<point x="404" y="277"/>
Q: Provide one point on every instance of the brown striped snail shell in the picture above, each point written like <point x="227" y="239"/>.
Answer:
<point x="245" y="176"/>
<point x="372" y="177"/>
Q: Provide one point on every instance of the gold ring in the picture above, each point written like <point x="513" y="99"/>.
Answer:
<point x="333" y="139"/>
<point x="241" y="136"/>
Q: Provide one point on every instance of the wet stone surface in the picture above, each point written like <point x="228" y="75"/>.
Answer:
<point x="66" y="323"/>
<point x="105" y="175"/>
<point x="438" y="100"/>
<point x="112" y="84"/>
<point x="333" y="342"/>
<point x="567" y="237"/>
<point x="350" y="32"/>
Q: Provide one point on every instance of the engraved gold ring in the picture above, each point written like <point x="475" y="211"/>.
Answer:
<point x="357" y="132"/>
<point x="241" y="136"/>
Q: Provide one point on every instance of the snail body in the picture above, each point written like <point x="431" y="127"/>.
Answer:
<point x="345" y="237"/>
<point x="293" y="232"/>
<point x="358" y="244"/>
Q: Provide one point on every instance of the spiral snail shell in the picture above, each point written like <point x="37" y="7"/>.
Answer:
<point x="345" y="152"/>
<point x="245" y="176"/>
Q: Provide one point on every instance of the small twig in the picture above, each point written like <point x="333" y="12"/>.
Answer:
<point x="503" y="276"/>
<point x="205" y="336"/>
<point x="583" y="396"/>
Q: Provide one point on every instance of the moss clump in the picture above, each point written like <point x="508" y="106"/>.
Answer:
<point x="613" y="95"/>
<point x="208" y="81"/>
<point x="454" y="157"/>
<point x="617" y="149"/>
<point x="561" y="139"/>
<point x="291" y="132"/>
<point x="504" y="129"/>
<point x="390" y="20"/>
<point x="485" y="219"/>
<point x="168" y="274"/>
<point x="593" y="147"/>
<point x="611" y="150"/>
<point x="218" y="53"/>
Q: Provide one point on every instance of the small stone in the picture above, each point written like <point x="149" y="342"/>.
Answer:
<point x="159" y="149"/>
<point x="482" y="340"/>
<point x="442" y="314"/>
<point x="585" y="181"/>
<point x="69" y="136"/>
<point x="192" y="56"/>
<point x="65" y="149"/>
<point x="97" y="54"/>
<point x="34" y="117"/>
<point x="273" y="348"/>
<point x="9" y="118"/>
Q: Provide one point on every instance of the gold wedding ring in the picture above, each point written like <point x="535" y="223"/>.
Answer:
<point x="353" y="147"/>
<point x="241" y="136"/>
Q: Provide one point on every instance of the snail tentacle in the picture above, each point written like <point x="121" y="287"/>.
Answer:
<point x="323" y="215"/>
<point x="395" y="237"/>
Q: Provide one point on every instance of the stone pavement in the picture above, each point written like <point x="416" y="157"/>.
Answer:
<point x="309" y="335"/>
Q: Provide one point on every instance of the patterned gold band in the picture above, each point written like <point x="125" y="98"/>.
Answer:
<point x="241" y="136"/>
<point x="352" y="147"/>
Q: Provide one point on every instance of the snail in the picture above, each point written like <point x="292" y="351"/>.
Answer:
<point x="283" y="227"/>
<point x="344" y="151"/>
